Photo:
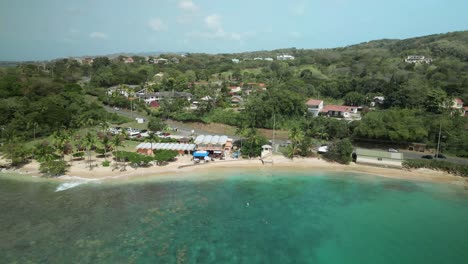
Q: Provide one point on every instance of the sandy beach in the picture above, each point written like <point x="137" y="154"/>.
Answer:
<point x="183" y="168"/>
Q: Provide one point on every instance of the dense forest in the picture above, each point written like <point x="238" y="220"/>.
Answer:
<point x="38" y="99"/>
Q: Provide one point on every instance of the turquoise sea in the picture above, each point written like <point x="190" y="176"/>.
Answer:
<point x="249" y="216"/>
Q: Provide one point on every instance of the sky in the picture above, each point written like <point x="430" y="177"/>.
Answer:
<point x="48" y="29"/>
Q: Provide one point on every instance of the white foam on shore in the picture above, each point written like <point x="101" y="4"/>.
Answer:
<point x="75" y="181"/>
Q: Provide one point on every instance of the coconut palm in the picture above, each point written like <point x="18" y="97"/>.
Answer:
<point x="60" y="140"/>
<point x="297" y="137"/>
<point x="152" y="137"/>
<point x="89" y="142"/>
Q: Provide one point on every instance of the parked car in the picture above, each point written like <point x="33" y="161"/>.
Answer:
<point x="144" y="133"/>
<point x="115" y="130"/>
<point x="440" y="156"/>
<point x="132" y="133"/>
<point x="427" y="157"/>
<point x="392" y="150"/>
<point x="322" y="149"/>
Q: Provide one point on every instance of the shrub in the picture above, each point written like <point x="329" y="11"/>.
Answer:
<point x="78" y="155"/>
<point x="452" y="168"/>
<point x="162" y="156"/>
<point x="106" y="163"/>
<point x="340" y="151"/>
<point x="53" y="168"/>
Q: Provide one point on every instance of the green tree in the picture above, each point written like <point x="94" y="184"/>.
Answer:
<point x="297" y="138"/>
<point x="90" y="143"/>
<point x="340" y="151"/>
<point x="44" y="151"/>
<point x="156" y="124"/>
<point x="162" y="156"/>
<point x="436" y="101"/>
<point x="16" y="151"/>
<point x="53" y="168"/>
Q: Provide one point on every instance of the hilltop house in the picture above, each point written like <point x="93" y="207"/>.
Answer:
<point x="285" y="57"/>
<point x="314" y="106"/>
<point x="340" y="111"/>
<point x="418" y="59"/>
<point x="268" y="59"/>
<point x="236" y="101"/>
<point x="158" y="96"/>
<point x="235" y="60"/>
<point x="121" y="90"/>
<point x="235" y="90"/>
<point x="128" y="60"/>
<point x="457" y="103"/>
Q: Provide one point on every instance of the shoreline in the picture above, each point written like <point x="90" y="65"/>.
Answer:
<point x="181" y="169"/>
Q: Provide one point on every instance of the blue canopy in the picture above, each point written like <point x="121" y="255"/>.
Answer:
<point x="200" y="153"/>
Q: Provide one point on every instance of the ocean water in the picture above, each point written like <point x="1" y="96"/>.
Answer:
<point x="256" y="216"/>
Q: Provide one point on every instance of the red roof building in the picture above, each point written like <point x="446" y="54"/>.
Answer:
<point x="339" y="110"/>
<point x="154" y="104"/>
<point x="457" y="103"/>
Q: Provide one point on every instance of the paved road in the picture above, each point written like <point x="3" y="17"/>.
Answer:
<point x="417" y="155"/>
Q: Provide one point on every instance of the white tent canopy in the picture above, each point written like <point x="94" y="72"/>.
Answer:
<point x="209" y="139"/>
<point x="167" y="146"/>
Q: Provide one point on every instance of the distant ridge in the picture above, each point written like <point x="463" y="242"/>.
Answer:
<point x="458" y="37"/>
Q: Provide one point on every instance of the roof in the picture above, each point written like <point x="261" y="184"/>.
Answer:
<point x="259" y="84"/>
<point x="266" y="147"/>
<point x="339" y="108"/>
<point x="166" y="94"/>
<point x="458" y="100"/>
<point x="237" y="98"/>
<point x="314" y="102"/>
<point x="209" y="139"/>
<point x="379" y="154"/>
<point x="167" y="146"/>
<point x="154" y="104"/>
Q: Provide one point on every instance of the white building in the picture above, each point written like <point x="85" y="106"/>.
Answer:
<point x="418" y="59"/>
<point x="235" y="60"/>
<point x="314" y="106"/>
<point x="268" y="59"/>
<point x="285" y="57"/>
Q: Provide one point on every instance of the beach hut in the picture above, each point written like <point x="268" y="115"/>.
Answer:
<point x="266" y="151"/>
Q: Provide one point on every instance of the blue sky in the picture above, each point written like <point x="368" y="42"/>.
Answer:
<point x="46" y="29"/>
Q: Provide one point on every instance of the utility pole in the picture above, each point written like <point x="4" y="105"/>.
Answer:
<point x="438" y="142"/>
<point x="273" y="140"/>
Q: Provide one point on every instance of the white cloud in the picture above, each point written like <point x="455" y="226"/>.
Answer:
<point x="214" y="22"/>
<point x="216" y="31"/>
<point x="188" y="5"/>
<point x="98" y="35"/>
<point x="157" y="24"/>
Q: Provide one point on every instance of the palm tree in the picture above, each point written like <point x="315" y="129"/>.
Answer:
<point x="152" y="137"/>
<point x="116" y="143"/>
<point x="89" y="142"/>
<point x="297" y="137"/>
<point x="105" y="142"/>
<point x="60" y="139"/>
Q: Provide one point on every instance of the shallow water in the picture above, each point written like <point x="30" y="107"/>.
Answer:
<point x="243" y="217"/>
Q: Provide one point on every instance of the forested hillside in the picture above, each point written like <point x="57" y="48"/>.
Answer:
<point x="62" y="93"/>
